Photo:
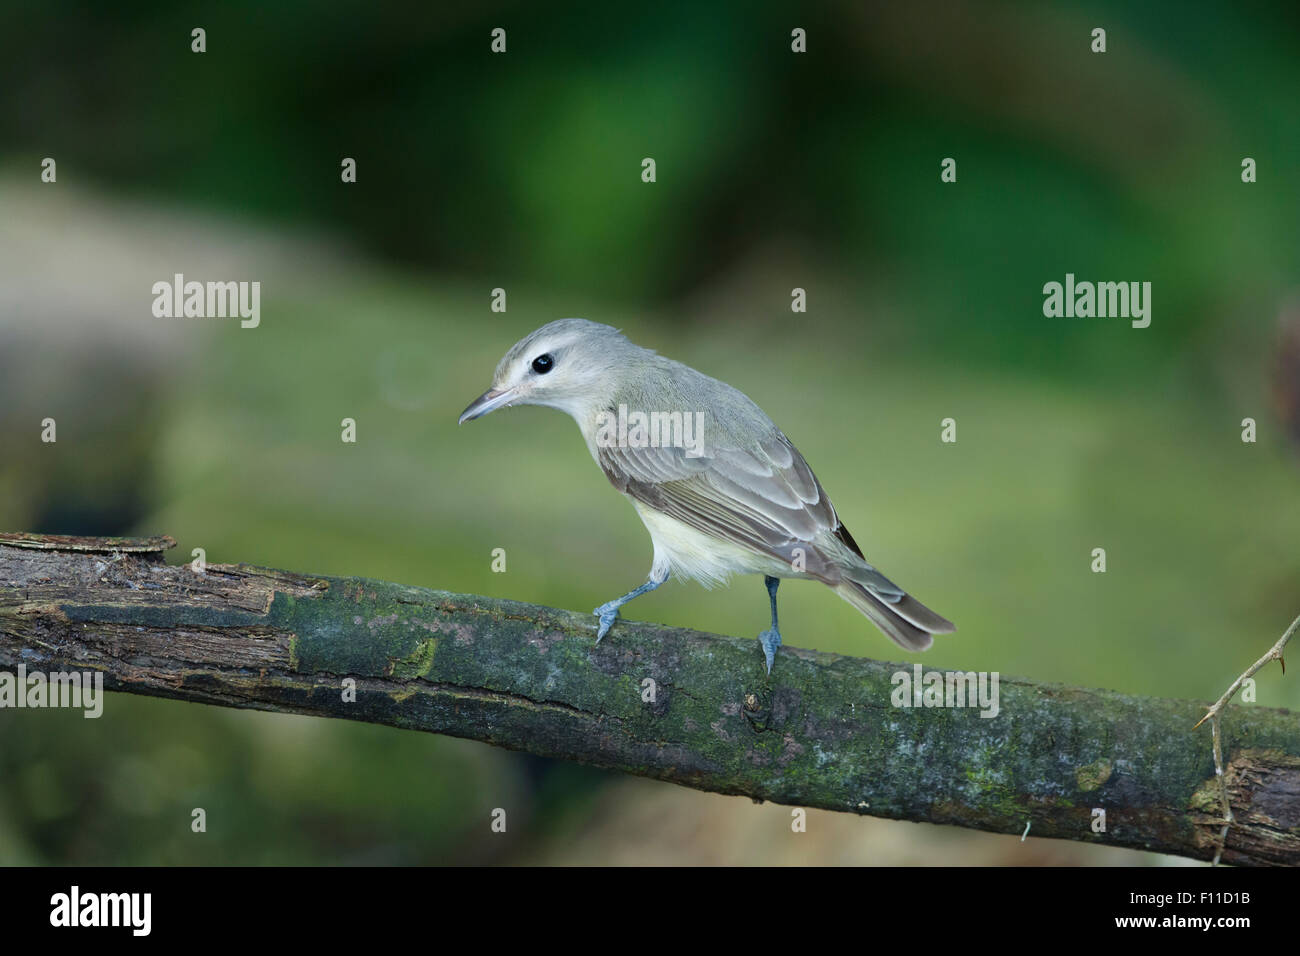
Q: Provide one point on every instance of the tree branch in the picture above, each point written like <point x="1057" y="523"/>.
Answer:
<point x="820" y="732"/>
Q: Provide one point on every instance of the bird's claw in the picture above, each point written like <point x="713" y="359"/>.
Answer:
<point x="608" y="614"/>
<point x="770" y="641"/>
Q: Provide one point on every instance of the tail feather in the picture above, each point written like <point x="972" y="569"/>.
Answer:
<point x="912" y="610"/>
<point x="906" y="621"/>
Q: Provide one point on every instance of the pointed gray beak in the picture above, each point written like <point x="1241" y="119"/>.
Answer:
<point x="489" y="401"/>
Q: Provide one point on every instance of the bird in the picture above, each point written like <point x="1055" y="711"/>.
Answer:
<point x="719" y="487"/>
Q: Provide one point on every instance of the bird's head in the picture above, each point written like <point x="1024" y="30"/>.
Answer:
<point x="570" y="364"/>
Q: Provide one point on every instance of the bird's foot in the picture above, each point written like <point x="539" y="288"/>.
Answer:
<point x="608" y="614"/>
<point x="770" y="641"/>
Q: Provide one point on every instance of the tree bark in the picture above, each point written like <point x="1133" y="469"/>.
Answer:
<point x="821" y="731"/>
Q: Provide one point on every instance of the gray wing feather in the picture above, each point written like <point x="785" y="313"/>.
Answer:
<point x="764" y="497"/>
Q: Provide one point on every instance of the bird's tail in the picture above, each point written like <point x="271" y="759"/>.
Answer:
<point x="908" y="623"/>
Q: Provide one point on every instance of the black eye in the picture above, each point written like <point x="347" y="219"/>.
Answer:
<point x="543" y="364"/>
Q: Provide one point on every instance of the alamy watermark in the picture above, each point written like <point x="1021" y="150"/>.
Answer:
<point x="919" y="688"/>
<point x="133" y="911"/>
<point x="208" y="300"/>
<point x="1103" y="300"/>
<point x="637" y="429"/>
<point x="76" y="689"/>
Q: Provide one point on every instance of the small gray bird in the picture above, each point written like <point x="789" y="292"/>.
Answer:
<point x="720" y="489"/>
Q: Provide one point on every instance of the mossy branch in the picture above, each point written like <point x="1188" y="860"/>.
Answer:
<point x="669" y="703"/>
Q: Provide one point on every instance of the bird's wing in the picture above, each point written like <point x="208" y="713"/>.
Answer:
<point x="764" y="497"/>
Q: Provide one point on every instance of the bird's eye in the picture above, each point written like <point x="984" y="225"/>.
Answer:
<point x="543" y="364"/>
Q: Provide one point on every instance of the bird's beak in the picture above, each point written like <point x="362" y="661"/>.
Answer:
<point x="489" y="401"/>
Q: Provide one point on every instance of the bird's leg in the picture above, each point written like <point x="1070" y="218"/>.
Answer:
<point x="771" y="638"/>
<point x="608" y="612"/>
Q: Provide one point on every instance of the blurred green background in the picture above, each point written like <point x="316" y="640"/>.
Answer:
<point x="521" y="171"/>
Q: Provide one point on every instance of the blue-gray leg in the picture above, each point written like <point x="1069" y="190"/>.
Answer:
<point x="608" y="612"/>
<point x="771" y="638"/>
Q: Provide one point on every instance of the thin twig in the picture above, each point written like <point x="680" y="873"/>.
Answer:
<point x="1216" y="729"/>
<point x="1274" y="654"/>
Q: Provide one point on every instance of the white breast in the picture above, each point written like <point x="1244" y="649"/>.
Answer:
<point x="692" y="555"/>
